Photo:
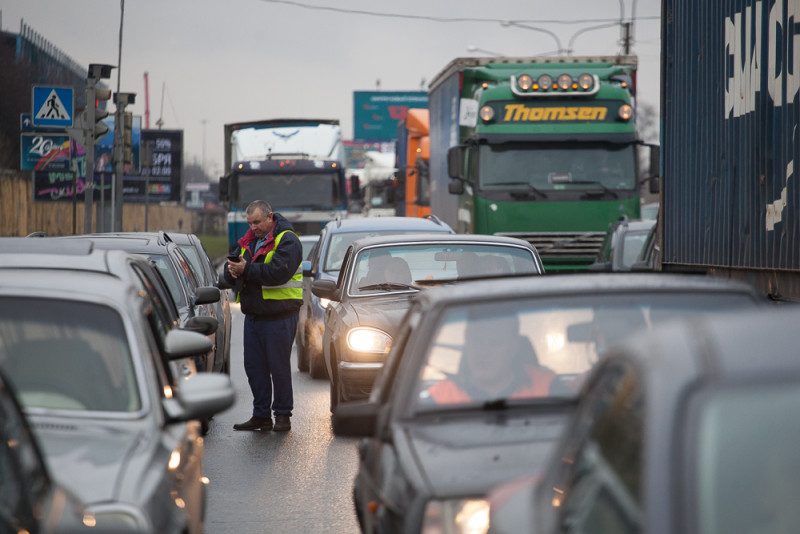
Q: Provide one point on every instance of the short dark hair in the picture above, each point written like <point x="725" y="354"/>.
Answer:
<point x="262" y="205"/>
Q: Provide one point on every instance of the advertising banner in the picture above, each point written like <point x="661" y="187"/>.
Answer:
<point x="44" y="151"/>
<point x="376" y="113"/>
<point x="166" y="158"/>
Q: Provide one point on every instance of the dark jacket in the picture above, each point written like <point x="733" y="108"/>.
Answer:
<point x="283" y="266"/>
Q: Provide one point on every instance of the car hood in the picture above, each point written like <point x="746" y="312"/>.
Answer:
<point x="382" y="312"/>
<point x="89" y="458"/>
<point x="468" y="454"/>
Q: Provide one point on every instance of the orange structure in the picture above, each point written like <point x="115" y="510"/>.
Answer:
<point x="415" y="170"/>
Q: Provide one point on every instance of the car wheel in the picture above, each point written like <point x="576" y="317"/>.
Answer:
<point x="302" y="354"/>
<point x="316" y="367"/>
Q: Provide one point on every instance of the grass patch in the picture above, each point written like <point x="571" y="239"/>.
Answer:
<point x="216" y="245"/>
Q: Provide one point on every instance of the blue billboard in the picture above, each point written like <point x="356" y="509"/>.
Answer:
<point x="377" y="113"/>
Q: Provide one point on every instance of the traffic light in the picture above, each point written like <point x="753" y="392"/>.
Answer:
<point x="101" y="95"/>
<point x="127" y="137"/>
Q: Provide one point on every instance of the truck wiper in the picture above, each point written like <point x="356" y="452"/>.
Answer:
<point x="605" y="189"/>
<point x="387" y="286"/>
<point x="527" y="184"/>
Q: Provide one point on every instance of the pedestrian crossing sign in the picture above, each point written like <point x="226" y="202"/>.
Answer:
<point x="53" y="107"/>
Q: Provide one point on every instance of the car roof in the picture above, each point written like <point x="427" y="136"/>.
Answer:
<point x="436" y="238"/>
<point x="578" y="284"/>
<point x="646" y="224"/>
<point x="726" y="348"/>
<point x="56" y="282"/>
<point x="137" y="243"/>
<point x="57" y="254"/>
<point x="378" y="224"/>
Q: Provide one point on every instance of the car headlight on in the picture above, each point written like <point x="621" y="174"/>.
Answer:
<point x="365" y="339"/>
<point x="459" y="516"/>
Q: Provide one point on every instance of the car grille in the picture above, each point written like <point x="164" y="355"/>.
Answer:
<point x="562" y="244"/>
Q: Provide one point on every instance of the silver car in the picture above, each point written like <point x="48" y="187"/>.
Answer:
<point x="86" y="353"/>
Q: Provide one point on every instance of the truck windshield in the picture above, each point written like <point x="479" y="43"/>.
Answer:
<point x="310" y="190"/>
<point x="557" y="166"/>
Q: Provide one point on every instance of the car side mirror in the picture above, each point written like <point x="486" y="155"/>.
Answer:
<point x="358" y="419"/>
<point x="325" y="289"/>
<point x="206" y="295"/>
<point x="455" y="161"/>
<point x="455" y="187"/>
<point x="306" y="266"/>
<point x="202" y="324"/>
<point x="183" y="343"/>
<point x="200" y="397"/>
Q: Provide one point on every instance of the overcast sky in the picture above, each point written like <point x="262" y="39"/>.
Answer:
<point x="234" y="60"/>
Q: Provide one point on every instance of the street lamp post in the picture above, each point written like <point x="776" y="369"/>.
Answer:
<point x="473" y="48"/>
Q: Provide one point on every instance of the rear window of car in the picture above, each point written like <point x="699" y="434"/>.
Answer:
<point x="67" y="355"/>
<point x="748" y="460"/>
<point x="341" y="240"/>
<point x="541" y="348"/>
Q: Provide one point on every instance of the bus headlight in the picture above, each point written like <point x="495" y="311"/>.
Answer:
<point x="545" y="82"/>
<point x="586" y="81"/>
<point x="525" y="82"/>
<point x="486" y="113"/>
<point x="625" y="112"/>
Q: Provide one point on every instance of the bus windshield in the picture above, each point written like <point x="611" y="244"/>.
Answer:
<point x="306" y="190"/>
<point x="557" y="166"/>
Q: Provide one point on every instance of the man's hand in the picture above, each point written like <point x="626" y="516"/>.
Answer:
<point x="236" y="268"/>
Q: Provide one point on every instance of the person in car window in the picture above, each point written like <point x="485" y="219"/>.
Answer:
<point x="269" y="287"/>
<point x="493" y="366"/>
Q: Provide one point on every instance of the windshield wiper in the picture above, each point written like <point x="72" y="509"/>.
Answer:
<point x="605" y="189"/>
<point x="387" y="286"/>
<point x="527" y="184"/>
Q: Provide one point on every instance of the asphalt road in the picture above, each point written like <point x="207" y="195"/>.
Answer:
<point x="298" y="481"/>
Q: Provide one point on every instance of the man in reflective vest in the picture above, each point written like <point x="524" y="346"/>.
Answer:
<point x="269" y="287"/>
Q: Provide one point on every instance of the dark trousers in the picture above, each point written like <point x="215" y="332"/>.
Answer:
<point x="267" y="354"/>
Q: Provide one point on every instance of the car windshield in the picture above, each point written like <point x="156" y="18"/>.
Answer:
<point x="340" y="241"/>
<point x="632" y="245"/>
<point x="746" y="471"/>
<point x="557" y="166"/>
<point x="540" y="348"/>
<point x="67" y="355"/>
<point x="164" y="267"/>
<point x="409" y="266"/>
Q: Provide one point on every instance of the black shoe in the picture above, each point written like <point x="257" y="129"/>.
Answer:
<point x="255" y="423"/>
<point x="282" y="423"/>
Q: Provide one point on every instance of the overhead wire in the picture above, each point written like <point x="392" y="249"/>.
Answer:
<point x="383" y="14"/>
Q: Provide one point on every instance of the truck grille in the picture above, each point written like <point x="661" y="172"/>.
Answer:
<point x="562" y="244"/>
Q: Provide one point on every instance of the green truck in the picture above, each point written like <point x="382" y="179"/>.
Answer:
<point x="544" y="149"/>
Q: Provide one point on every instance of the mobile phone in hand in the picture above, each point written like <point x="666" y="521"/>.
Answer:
<point x="233" y="257"/>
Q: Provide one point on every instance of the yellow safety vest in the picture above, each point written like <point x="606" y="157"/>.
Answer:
<point x="293" y="289"/>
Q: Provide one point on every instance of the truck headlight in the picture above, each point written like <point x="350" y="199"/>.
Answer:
<point x="545" y="82"/>
<point x="586" y="81"/>
<point x="525" y="82"/>
<point x="459" y="516"/>
<point x="487" y="113"/>
<point x="625" y="112"/>
<point x="564" y="82"/>
<point x="365" y="339"/>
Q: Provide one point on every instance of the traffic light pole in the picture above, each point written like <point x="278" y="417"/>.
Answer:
<point x="121" y="149"/>
<point x="88" y="189"/>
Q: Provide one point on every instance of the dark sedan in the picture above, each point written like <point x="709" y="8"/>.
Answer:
<point x="380" y="275"/>
<point x="691" y="428"/>
<point x="324" y="263"/>
<point x="482" y="379"/>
